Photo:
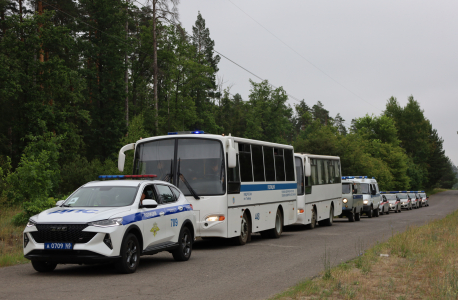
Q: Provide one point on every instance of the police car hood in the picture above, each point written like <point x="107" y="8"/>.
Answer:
<point x="78" y="214"/>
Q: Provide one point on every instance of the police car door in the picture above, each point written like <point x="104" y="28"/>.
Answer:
<point x="154" y="221"/>
<point x="173" y="215"/>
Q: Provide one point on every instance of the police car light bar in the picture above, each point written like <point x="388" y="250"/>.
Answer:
<point x="126" y="176"/>
<point x="382" y="192"/>
<point x="186" y="132"/>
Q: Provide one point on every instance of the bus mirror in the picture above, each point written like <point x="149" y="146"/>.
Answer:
<point x="231" y="157"/>
<point x="308" y="170"/>
<point x="122" y="156"/>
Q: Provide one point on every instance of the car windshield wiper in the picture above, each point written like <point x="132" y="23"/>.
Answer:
<point x="65" y="205"/>
<point x="193" y="193"/>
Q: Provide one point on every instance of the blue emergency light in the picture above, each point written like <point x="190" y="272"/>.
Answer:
<point x="186" y="132"/>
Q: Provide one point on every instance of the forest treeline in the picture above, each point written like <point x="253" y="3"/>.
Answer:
<point x="79" y="79"/>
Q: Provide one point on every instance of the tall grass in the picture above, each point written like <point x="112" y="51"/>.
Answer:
<point x="422" y="264"/>
<point x="10" y="238"/>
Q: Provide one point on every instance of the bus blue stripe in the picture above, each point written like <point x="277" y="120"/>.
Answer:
<point x="267" y="187"/>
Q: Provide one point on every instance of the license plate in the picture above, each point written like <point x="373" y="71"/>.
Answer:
<point x="58" y="246"/>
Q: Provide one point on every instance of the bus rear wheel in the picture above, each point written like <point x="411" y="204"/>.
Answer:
<point x="330" y="220"/>
<point x="245" y="231"/>
<point x="275" y="232"/>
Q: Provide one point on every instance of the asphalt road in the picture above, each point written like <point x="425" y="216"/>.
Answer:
<point x="218" y="270"/>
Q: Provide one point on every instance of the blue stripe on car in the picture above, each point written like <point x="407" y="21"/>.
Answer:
<point x="150" y="214"/>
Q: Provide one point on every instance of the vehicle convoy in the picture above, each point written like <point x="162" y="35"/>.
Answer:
<point x="406" y="202"/>
<point x="369" y="190"/>
<point x="319" y="189"/>
<point x="424" y="198"/>
<point x="114" y="221"/>
<point x="414" y="199"/>
<point x="237" y="186"/>
<point x="393" y="201"/>
<point x="352" y="204"/>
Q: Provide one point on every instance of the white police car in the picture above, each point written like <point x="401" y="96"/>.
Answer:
<point x="406" y="202"/>
<point x="107" y="221"/>
<point x="424" y="198"/>
<point x="393" y="201"/>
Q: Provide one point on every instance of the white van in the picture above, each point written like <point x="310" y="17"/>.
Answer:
<point x="368" y="188"/>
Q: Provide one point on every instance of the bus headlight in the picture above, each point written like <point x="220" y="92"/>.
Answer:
<point x="365" y="201"/>
<point x="215" y="218"/>
<point x="344" y="200"/>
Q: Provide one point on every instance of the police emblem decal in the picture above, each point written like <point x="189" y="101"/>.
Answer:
<point x="155" y="228"/>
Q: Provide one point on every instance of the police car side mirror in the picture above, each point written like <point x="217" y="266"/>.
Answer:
<point x="149" y="203"/>
<point x="60" y="202"/>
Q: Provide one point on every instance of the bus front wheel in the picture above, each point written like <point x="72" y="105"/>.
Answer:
<point x="245" y="231"/>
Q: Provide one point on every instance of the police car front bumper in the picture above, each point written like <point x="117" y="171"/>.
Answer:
<point x="69" y="256"/>
<point x="93" y="251"/>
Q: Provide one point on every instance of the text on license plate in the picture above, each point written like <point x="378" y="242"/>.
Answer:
<point x="59" y="246"/>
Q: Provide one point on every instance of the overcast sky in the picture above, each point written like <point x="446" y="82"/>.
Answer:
<point x="363" y="52"/>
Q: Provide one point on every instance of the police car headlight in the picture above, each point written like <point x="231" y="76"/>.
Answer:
<point x="366" y="201"/>
<point x="31" y="223"/>
<point x="344" y="200"/>
<point x="106" y="223"/>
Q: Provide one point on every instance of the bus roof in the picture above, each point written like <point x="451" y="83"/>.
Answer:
<point x="213" y="137"/>
<point x="316" y="155"/>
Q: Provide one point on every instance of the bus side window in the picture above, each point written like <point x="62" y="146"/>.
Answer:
<point x="269" y="163"/>
<point x="279" y="164"/>
<point x="289" y="165"/>
<point x="246" y="168"/>
<point x="314" y="170"/>
<point x="258" y="163"/>
<point x="233" y="178"/>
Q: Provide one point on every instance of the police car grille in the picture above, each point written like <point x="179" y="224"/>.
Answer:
<point x="52" y="233"/>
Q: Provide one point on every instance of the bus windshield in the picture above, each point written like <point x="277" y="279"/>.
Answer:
<point x="195" y="161"/>
<point x="346" y="188"/>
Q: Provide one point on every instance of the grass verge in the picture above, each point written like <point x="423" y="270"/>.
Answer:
<point x="420" y="263"/>
<point x="10" y="238"/>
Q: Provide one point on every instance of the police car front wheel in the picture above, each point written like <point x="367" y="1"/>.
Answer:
<point x="43" y="266"/>
<point x="130" y="257"/>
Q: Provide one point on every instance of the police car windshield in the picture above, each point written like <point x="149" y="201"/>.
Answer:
<point x="412" y="195"/>
<point x="402" y="196"/>
<point x="346" y="188"/>
<point x="364" y="188"/>
<point x="390" y="197"/>
<point x="106" y="196"/>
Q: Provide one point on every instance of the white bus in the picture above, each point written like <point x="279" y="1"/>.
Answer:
<point x="236" y="186"/>
<point x="319" y="189"/>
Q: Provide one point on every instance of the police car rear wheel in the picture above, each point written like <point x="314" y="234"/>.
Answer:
<point x="43" y="266"/>
<point x="183" y="252"/>
<point x="129" y="255"/>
